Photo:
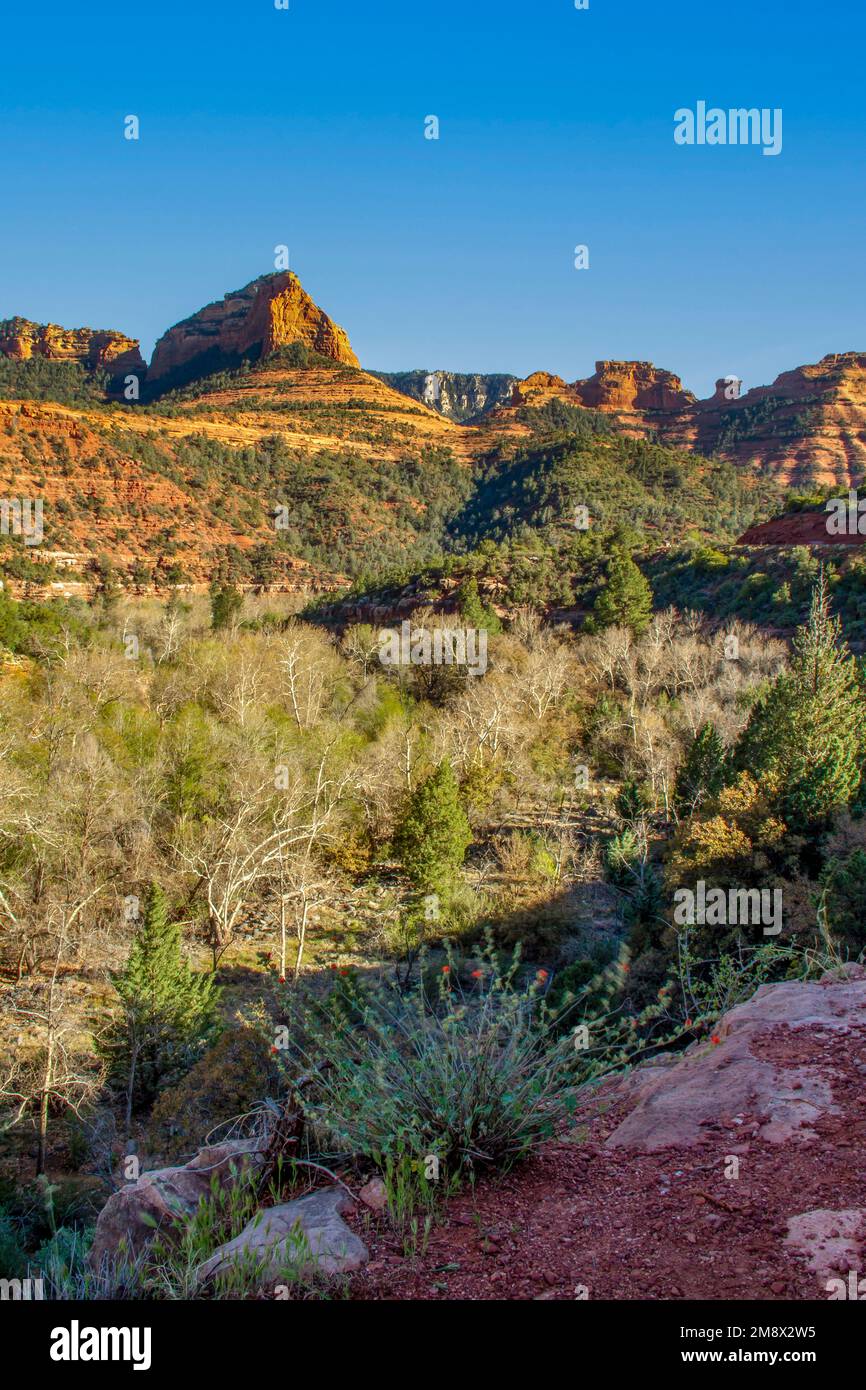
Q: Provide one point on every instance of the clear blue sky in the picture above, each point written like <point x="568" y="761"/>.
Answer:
<point x="306" y="127"/>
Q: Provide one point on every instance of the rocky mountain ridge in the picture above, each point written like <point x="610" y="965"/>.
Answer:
<point x="807" y="428"/>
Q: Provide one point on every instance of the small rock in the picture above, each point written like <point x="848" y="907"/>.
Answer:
<point x="374" y="1195"/>
<point x="307" y="1235"/>
<point x="161" y="1199"/>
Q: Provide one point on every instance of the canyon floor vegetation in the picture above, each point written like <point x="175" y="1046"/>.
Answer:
<point x="242" y="863"/>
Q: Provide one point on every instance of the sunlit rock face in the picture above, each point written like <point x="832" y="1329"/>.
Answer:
<point x="267" y="314"/>
<point x="94" y="348"/>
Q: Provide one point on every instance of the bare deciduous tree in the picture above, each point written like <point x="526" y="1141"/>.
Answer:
<point x="59" y="1070"/>
<point x="239" y="850"/>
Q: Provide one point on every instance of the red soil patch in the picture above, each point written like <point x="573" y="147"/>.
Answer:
<point x="634" y="1225"/>
<point x="797" y="528"/>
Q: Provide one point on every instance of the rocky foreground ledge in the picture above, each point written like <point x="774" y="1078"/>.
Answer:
<point x="640" y="1200"/>
<point x="307" y="1233"/>
<point x="736" y="1170"/>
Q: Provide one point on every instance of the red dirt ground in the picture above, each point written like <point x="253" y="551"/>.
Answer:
<point x="632" y="1225"/>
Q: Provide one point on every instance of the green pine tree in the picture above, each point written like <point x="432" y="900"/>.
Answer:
<point x="434" y="834"/>
<point x="473" y="612"/>
<point x="844" y="900"/>
<point x="167" y="1012"/>
<point x="633" y="801"/>
<point x="626" y="599"/>
<point x="703" y="771"/>
<point x="226" y="603"/>
<point x="806" y="736"/>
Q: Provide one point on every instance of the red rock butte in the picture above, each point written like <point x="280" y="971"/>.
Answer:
<point x="271" y="312"/>
<point x="632" y="386"/>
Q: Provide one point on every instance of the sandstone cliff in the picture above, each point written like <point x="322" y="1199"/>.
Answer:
<point x="808" y="427"/>
<point x="799" y="528"/>
<point x="96" y="349"/>
<point x="632" y="386"/>
<point x="622" y="388"/>
<point x="271" y="312"/>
